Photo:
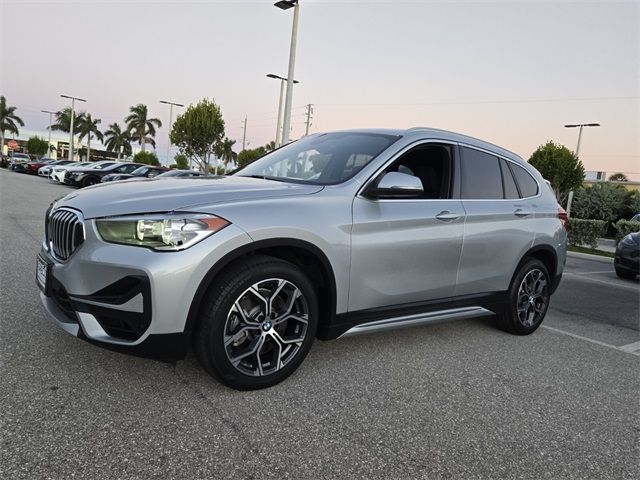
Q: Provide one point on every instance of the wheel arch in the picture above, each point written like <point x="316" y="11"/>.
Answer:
<point x="308" y="257"/>
<point x="547" y="255"/>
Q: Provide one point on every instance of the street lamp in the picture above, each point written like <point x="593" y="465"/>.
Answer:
<point x="282" y="80"/>
<point x="50" y="123"/>
<point x="171" y="104"/>
<point x="286" y="5"/>
<point x="73" y="100"/>
<point x="581" y="126"/>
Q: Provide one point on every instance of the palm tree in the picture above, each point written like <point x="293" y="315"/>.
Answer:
<point x="118" y="140"/>
<point x="141" y="128"/>
<point x="87" y="127"/>
<point x="226" y="153"/>
<point x="63" y="120"/>
<point x="8" y="121"/>
<point x="618" y="177"/>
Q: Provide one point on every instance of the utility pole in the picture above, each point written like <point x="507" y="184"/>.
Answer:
<point x="309" y="117"/>
<point x="244" y="133"/>
<point x="50" y="123"/>
<point x="171" y="105"/>
<point x="577" y="152"/>
<point x="73" y="100"/>
<point x="286" y="125"/>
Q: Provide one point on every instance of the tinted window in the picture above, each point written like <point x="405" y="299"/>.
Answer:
<point x="481" y="178"/>
<point x="528" y="186"/>
<point x="510" y="189"/>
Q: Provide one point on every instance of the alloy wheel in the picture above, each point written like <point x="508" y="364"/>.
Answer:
<point x="532" y="298"/>
<point x="266" y="327"/>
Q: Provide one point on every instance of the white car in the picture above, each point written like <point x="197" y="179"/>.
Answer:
<point x="58" y="172"/>
<point x="45" y="171"/>
<point x="18" y="159"/>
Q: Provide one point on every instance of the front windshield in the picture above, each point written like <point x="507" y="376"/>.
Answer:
<point x="102" y="165"/>
<point x="324" y="159"/>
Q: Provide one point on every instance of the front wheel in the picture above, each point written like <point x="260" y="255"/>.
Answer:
<point x="90" y="181"/>
<point x="258" y="324"/>
<point x="529" y="296"/>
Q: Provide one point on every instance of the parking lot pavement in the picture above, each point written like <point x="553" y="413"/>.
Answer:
<point x="456" y="400"/>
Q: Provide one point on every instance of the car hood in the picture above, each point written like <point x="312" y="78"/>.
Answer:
<point x="151" y="195"/>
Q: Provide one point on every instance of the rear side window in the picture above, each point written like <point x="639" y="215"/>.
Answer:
<point x="528" y="186"/>
<point x="481" y="177"/>
<point x="510" y="189"/>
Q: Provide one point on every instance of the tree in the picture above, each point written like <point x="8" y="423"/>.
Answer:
<point x="117" y="140"/>
<point x="270" y="146"/>
<point x="601" y="201"/>
<point x="63" y="120"/>
<point x="618" y="177"/>
<point x="560" y="166"/>
<point x="140" y="127"/>
<point x="199" y="131"/>
<point x="226" y="153"/>
<point x="245" y="157"/>
<point x="87" y="127"/>
<point x="9" y="121"/>
<point x="37" y="146"/>
<point x="182" y="163"/>
<point x="148" y="158"/>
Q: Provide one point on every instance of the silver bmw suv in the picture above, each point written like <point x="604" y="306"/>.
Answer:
<point x="336" y="234"/>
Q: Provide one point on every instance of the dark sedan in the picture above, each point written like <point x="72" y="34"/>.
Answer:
<point x="33" y="167"/>
<point x="145" y="171"/>
<point x="84" y="177"/>
<point x="626" y="261"/>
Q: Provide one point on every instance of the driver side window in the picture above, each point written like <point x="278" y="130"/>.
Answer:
<point x="431" y="163"/>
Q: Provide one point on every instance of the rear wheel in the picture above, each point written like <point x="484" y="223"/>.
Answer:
<point x="258" y="324"/>
<point x="529" y="296"/>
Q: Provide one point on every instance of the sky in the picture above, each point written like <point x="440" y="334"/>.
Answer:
<point x="512" y="72"/>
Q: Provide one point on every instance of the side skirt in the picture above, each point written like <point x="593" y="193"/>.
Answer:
<point x="412" y="314"/>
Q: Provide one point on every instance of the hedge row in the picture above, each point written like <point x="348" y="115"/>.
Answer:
<point x="624" y="228"/>
<point x="585" y="232"/>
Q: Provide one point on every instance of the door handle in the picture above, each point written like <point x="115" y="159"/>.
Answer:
<point x="521" y="213"/>
<point x="447" y="215"/>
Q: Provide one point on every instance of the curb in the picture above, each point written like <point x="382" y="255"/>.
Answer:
<point x="589" y="256"/>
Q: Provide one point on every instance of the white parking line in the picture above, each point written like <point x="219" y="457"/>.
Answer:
<point x="632" y="348"/>
<point x="590" y="279"/>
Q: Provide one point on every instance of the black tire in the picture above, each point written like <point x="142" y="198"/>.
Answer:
<point x="512" y="320"/>
<point x="625" y="274"/>
<point x="216" y="318"/>
<point x="87" y="182"/>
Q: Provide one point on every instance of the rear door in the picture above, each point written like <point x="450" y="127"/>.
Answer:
<point x="499" y="226"/>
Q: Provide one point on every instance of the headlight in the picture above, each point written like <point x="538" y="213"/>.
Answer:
<point x="175" y="231"/>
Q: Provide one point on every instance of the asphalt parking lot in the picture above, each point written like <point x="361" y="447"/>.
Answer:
<point x="456" y="400"/>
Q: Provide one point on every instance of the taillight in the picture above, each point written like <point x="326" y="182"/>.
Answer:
<point x="562" y="215"/>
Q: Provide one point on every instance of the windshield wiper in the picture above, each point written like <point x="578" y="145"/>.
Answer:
<point x="265" y="177"/>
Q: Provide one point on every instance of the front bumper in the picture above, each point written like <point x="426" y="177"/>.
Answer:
<point x="627" y="257"/>
<point x="130" y="298"/>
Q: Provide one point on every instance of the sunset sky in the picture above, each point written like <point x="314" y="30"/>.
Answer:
<point x="512" y="73"/>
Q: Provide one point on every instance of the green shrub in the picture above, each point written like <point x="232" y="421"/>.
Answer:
<point x="148" y="158"/>
<point x="585" y="232"/>
<point x="625" y="227"/>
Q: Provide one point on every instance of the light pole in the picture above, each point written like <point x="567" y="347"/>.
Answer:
<point x="171" y="104"/>
<point x="282" y="80"/>
<point x="73" y="100"/>
<point x="50" y="123"/>
<point x="581" y="126"/>
<point x="285" y="5"/>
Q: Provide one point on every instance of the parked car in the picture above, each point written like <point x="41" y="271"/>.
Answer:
<point x="333" y="235"/>
<point x="35" y="165"/>
<point x="45" y="170"/>
<point x="180" y="174"/>
<point x="5" y="161"/>
<point x="145" y="171"/>
<point x="18" y="160"/>
<point x="627" y="261"/>
<point x="58" y="172"/>
<point x="85" y="177"/>
<point x="636" y="218"/>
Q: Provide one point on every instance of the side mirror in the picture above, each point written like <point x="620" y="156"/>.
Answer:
<point x="396" y="185"/>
